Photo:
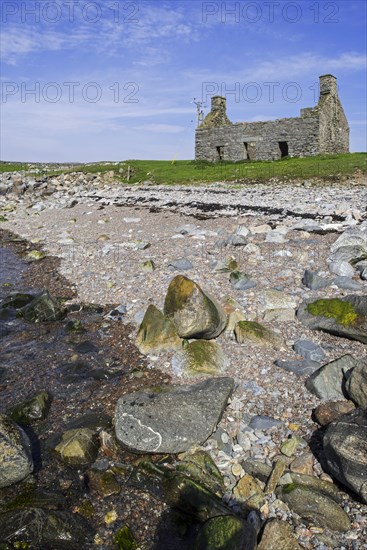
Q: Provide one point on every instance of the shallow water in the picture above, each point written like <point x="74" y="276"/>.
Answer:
<point x="12" y="269"/>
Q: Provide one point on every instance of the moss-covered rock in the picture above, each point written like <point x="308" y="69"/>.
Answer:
<point x="15" y="453"/>
<point x="156" y="332"/>
<point x="78" y="447"/>
<point x="201" y="467"/>
<point x="226" y="533"/>
<point x="200" y="357"/>
<point x="124" y="539"/>
<point x="342" y="312"/>
<point x="314" y="507"/>
<point x="345" y="316"/>
<point x="249" y="492"/>
<point x="194" y="313"/>
<point x="253" y="331"/>
<point x="16" y="300"/>
<point x="34" y="408"/>
<point x="42" y="308"/>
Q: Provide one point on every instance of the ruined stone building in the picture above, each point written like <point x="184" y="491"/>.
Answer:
<point x="322" y="129"/>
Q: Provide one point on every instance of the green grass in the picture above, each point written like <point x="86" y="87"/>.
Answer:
<point x="328" y="167"/>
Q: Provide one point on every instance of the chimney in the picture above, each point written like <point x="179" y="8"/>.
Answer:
<point x="328" y="84"/>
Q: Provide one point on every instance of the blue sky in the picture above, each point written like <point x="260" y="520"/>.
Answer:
<point x="113" y="80"/>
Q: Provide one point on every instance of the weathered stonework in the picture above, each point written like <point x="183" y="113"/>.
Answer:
<point x="319" y="130"/>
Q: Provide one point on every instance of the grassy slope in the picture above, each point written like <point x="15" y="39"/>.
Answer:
<point x="188" y="171"/>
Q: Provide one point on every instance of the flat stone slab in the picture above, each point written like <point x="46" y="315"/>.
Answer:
<point x="170" y="419"/>
<point x="355" y="330"/>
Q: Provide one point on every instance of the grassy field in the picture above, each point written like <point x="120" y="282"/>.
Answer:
<point x="166" y="172"/>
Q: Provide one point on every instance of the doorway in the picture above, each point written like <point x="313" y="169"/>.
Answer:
<point x="283" y="147"/>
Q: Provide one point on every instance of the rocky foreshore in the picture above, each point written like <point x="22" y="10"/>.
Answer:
<point x="183" y="367"/>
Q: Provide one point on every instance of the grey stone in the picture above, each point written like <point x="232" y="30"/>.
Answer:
<point x="262" y="422"/>
<point x="276" y="299"/>
<point x="304" y="367"/>
<point x="350" y="238"/>
<point x="336" y="322"/>
<point x="345" y="448"/>
<point x="364" y="274"/>
<point x="327" y="383"/>
<point x="356" y="384"/>
<point x="15" y="453"/>
<point x="237" y="240"/>
<point x="344" y="269"/>
<point x="241" y="281"/>
<point x="171" y="419"/>
<point x="314" y="281"/>
<point x="309" y="350"/>
<point x="350" y="254"/>
<point x="181" y="264"/>
<point x="346" y="283"/>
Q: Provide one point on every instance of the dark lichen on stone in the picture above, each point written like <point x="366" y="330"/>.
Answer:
<point x="341" y="311"/>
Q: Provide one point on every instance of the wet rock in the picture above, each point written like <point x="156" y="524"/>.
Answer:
<point x="124" y="539"/>
<point x="170" y="419"/>
<point x="241" y="281"/>
<point x="303" y="367"/>
<point x="200" y="466"/>
<point x="314" y="281"/>
<point x="193" y="312"/>
<point x="331" y="411"/>
<point x="309" y="350"/>
<point x="16" y="300"/>
<point x="345" y="448"/>
<point x="156" y="332"/>
<point x="345" y="317"/>
<point x="356" y="384"/>
<point x="328" y="381"/>
<point x="178" y="490"/>
<point x="226" y="533"/>
<point x="35" y="408"/>
<point x="103" y="483"/>
<point x="278" y="535"/>
<point x="199" y="358"/>
<point x="39" y="528"/>
<point x="42" y="308"/>
<point x="314" y="507"/>
<point x="78" y="447"/>
<point x="15" y="453"/>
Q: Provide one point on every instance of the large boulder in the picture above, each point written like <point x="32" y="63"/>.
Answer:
<point x="345" y="317"/>
<point x="170" y="419"/>
<point x="345" y="448"/>
<point x="327" y="382"/>
<point x="314" y="507"/>
<point x="156" y="332"/>
<point x="15" y="453"/>
<point x="193" y="312"/>
<point x="356" y="384"/>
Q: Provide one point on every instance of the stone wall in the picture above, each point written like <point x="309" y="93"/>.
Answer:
<point x="321" y="129"/>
